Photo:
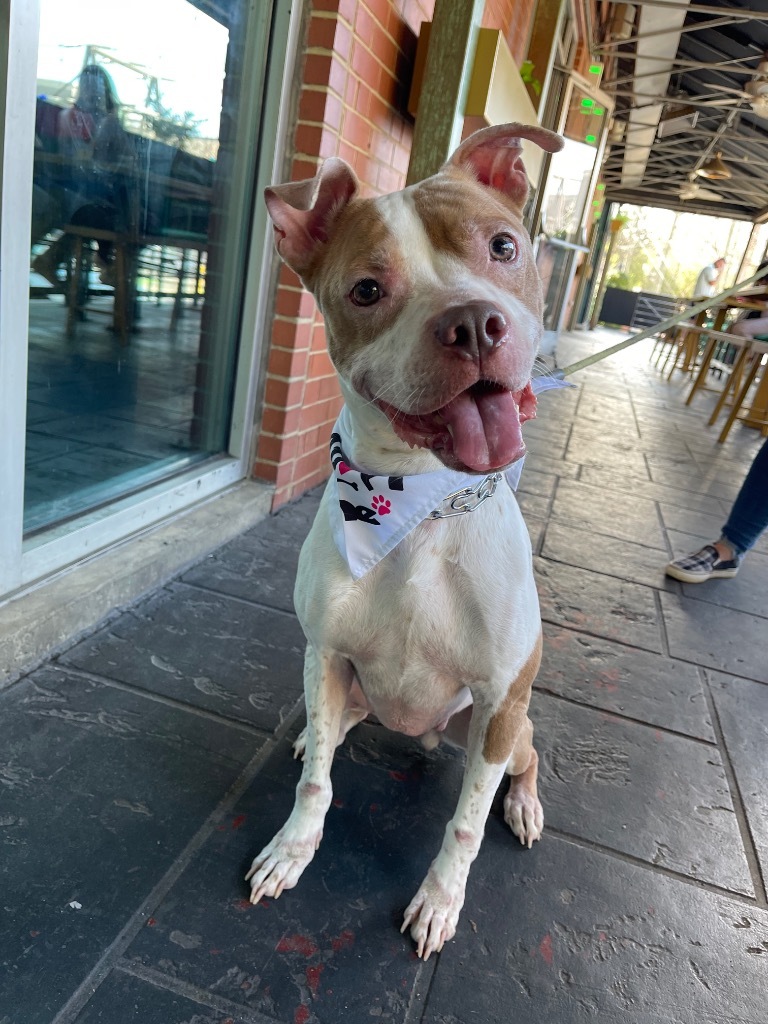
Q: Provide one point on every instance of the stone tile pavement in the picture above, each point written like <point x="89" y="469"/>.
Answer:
<point x="141" y="769"/>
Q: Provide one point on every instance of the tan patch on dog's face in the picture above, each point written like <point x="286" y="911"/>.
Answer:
<point x="505" y="724"/>
<point x="362" y="247"/>
<point x="426" y="248"/>
<point x="457" y="213"/>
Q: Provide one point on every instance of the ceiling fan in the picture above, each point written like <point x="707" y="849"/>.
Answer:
<point x="755" y="91"/>
<point x="692" y="189"/>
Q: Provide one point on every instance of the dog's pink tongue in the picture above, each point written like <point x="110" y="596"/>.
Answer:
<point x="485" y="429"/>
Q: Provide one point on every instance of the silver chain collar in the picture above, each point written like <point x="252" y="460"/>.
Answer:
<point x="467" y="499"/>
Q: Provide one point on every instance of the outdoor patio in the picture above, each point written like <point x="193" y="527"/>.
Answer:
<point x="142" y="768"/>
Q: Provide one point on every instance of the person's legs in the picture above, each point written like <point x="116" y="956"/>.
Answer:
<point x="749" y="514"/>
<point x="747" y="520"/>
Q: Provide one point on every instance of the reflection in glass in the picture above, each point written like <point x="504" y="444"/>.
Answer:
<point x="137" y="247"/>
<point x="567" y="190"/>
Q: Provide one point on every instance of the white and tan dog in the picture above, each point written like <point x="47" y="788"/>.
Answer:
<point x="432" y="305"/>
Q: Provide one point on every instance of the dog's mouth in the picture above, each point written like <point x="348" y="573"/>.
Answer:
<point x="479" y="429"/>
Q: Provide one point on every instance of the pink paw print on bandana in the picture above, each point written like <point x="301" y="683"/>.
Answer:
<point x="381" y="505"/>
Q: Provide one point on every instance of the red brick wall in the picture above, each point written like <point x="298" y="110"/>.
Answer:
<point x="355" y="80"/>
<point x="513" y="18"/>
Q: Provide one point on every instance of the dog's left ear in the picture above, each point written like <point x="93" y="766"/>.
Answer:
<point x="494" y="157"/>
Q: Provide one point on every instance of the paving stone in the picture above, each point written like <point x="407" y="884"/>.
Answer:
<point x="661" y="452"/>
<point x="534" y="482"/>
<point x="610" y="513"/>
<point x="669" y="459"/>
<point x="648" y="687"/>
<point x="123" y="999"/>
<point x="692" y="481"/>
<point x="645" y="488"/>
<point x="636" y="789"/>
<point x="260" y="565"/>
<point x="563" y="934"/>
<point x="101" y="790"/>
<point x="557" y="406"/>
<point x="533" y="505"/>
<point x="594" y="431"/>
<point x="615" y="458"/>
<point x="545" y="464"/>
<point x="535" y="529"/>
<point x="548" y="428"/>
<point x="205" y="649"/>
<point x="706" y="449"/>
<point x="716" y="637"/>
<point x="549" y="446"/>
<point x="596" y="604"/>
<point x="620" y="558"/>
<point x="332" y="944"/>
<point x="612" y="412"/>
<point x="689" y="521"/>
<point x="742" y="708"/>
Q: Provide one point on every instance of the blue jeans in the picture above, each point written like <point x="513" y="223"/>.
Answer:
<point x="749" y="515"/>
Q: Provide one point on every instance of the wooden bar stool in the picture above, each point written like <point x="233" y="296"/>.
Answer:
<point x="689" y="346"/>
<point x="754" y="416"/>
<point x="687" y="340"/>
<point x="733" y="382"/>
<point x="663" y="345"/>
<point x="77" y="293"/>
<point x="709" y="362"/>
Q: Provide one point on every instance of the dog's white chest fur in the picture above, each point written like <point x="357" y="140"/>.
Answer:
<point x="452" y="605"/>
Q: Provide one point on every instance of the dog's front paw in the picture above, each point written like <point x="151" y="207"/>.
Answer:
<point x="432" y="915"/>
<point x="524" y="814"/>
<point x="280" y="865"/>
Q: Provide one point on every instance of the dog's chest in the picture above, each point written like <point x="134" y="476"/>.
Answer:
<point x="454" y="605"/>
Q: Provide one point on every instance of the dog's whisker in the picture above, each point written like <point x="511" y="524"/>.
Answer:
<point x="542" y="369"/>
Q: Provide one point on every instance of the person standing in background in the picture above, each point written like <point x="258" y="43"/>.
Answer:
<point x="706" y="282"/>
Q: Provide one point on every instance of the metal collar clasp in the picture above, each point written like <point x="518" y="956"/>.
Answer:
<point x="467" y="499"/>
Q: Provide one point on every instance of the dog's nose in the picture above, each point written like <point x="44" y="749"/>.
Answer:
<point x="471" y="328"/>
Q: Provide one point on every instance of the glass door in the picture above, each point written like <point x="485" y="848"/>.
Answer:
<point x="134" y="141"/>
<point x="141" y="194"/>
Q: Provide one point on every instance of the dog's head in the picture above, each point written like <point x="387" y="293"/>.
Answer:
<point x="431" y="297"/>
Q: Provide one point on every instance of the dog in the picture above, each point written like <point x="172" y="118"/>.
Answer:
<point x="433" y="312"/>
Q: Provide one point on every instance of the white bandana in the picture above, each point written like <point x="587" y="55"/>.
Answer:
<point x="376" y="512"/>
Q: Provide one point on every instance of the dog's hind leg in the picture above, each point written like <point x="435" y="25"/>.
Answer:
<point x="327" y="681"/>
<point x="522" y="808"/>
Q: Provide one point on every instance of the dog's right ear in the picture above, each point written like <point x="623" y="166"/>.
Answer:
<point x="303" y="212"/>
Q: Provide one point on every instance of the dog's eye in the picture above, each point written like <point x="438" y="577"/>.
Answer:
<point x="503" y="248"/>
<point x="366" y="292"/>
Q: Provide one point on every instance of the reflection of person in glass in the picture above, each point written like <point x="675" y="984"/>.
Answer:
<point x="83" y="172"/>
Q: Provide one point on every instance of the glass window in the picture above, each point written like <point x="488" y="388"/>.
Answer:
<point x="138" y="240"/>
<point x="566" y="191"/>
<point x="570" y="174"/>
<point x="585" y="119"/>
